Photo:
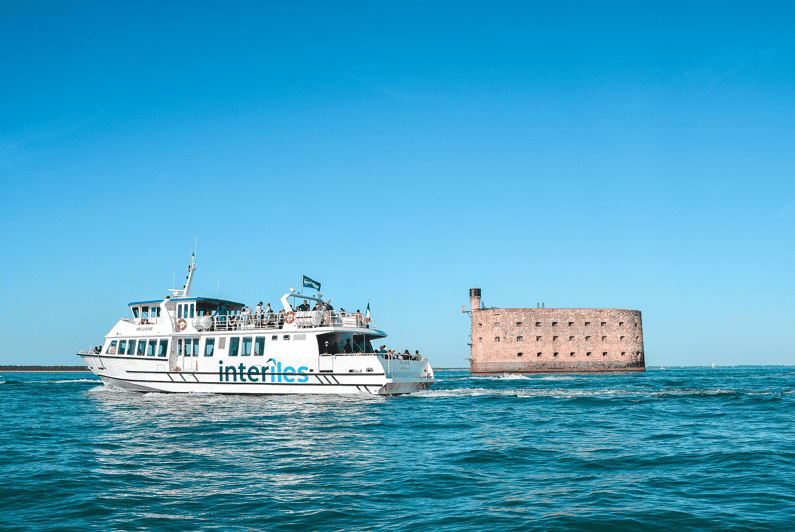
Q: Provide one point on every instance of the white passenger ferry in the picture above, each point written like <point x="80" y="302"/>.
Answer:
<point x="197" y="344"/>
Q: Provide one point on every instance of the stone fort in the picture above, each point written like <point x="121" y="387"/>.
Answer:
<point x="537" y="340"/>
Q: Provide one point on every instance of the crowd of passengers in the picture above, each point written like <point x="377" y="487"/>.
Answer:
<point x="265" y="317"/>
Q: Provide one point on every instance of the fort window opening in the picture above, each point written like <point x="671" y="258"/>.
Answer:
<point x="588" y="354"/>
<point x="555" y="354"/>
<point x="587" y="323"/>
<point x="623" y="353"/>
<point x="519" y="354"/>
<point x="519" y="338"/>
<point x="587" y="338"/>
<point x="538" y="354"/>
<point x="571" y="354"/>
<point x="496" y="338"/>
<point x="637" y="338"/>
<point x="274" y="337"/>
<point x="518" y="323"/>
<point x="538" y="323"/>
<point x="497" y="324"/>
<point x="622" y="338"/>
<point x="538" y="338"/>
<point x="604" y="338"/>
<point x="604" y="354"/>
<point x="480" y="325"/>
<point x="554" y="324"/>
<point x="571" y="338"/>
<point x="122" y="346"/>
<point x="620" y="323"/>
<point x="571" y="323"/>
<point x="604" y="323"/>
<point x="554" y="338"/>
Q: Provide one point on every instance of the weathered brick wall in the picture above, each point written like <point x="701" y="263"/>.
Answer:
<point x="556" y="339"/>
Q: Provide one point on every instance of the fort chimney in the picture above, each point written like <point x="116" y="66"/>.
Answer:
<point x="474" y="298"/>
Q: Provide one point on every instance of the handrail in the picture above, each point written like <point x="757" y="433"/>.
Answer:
<point x="273" y="320"/>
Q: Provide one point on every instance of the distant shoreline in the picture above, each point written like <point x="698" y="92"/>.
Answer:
<point x="43" y="369"/>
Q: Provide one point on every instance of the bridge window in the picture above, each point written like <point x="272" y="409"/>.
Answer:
<point x="179" y="311"/>
<point x="209" y="347"/>
<point x="234" y="346"/>
<point x="162" y="348"/>
<point x="144" y="312"/>
<point x="192" y="307"/>
<point x="259" y="346"/>
<point x="246" y="346"/>
<point x="135" y="312"/>
<point x="112" y="348"/>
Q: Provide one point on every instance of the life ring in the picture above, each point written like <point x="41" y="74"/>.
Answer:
<point x="182" y="324"/>
<point x="289" y="317"/>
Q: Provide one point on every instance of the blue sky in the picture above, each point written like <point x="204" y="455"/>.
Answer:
<point x="629" y="155"/>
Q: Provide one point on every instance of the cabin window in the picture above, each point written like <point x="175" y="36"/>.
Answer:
<point x="131" y="351"/>
<point x="286" y="337"/>
<point x="299" y="337"/>
<point x="188" y="351"/>
<point x="274" y="337"/>
<point x="246" y="346"/>
<point x="259" y="346"/>
<point x="112" y="348"/>
<point x="150" y="350"/>
<point x="195" y="346"/>
<point x="209" y="347"/>
<point x="141" y="348"/>
<point x="234" y="345"/>
<point x="162" y="348"/>
<point x="192" y="306"/>
<point x="122" y="346"/>
<point x="179" y="311"/>
<point x="135" y="312"/>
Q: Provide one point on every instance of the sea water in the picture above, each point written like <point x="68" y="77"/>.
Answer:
<point x="670" y="449"/>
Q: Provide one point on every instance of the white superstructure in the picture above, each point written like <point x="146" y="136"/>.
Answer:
<point x="195" y="344"/>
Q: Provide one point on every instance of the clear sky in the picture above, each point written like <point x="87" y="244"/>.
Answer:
<point x="634" y="155"/>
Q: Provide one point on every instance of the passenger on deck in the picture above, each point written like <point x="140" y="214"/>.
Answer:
<point x="359" y="318"/>
<point x="258" y="315"/>
<point x="246" y="315"/>
<point x="348" y="348"/>
<point x="303" y="307"/>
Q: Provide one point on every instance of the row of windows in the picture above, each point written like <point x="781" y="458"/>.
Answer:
<point x="589" y="353"/>
<point x="555" y="324"/>
<point x="139" y="347"/>
<point x="188" y="309"/>
<point x="190" y="346"/>
<point x="555" y="338"/>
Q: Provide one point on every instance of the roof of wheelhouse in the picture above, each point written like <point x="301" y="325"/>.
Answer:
<point x="210" y="300"/>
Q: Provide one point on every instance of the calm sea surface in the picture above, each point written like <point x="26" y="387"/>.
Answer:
<point x="671" y="449"/>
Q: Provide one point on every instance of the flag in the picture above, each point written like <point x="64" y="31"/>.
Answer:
<point x="367" y="316"/>
<point x="309" y="283"/>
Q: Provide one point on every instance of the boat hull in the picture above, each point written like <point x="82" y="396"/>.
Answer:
<point x="350" y="374"/>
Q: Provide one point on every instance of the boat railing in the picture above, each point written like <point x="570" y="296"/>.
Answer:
<point x="264" y="321"/>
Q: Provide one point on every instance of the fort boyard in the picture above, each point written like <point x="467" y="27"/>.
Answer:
<point x="554" y="340"/>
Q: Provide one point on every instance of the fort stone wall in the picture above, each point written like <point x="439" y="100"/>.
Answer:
<point x="528" y="340"/>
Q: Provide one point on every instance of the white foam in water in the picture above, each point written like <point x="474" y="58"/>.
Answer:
<point x="75" y="380"/>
